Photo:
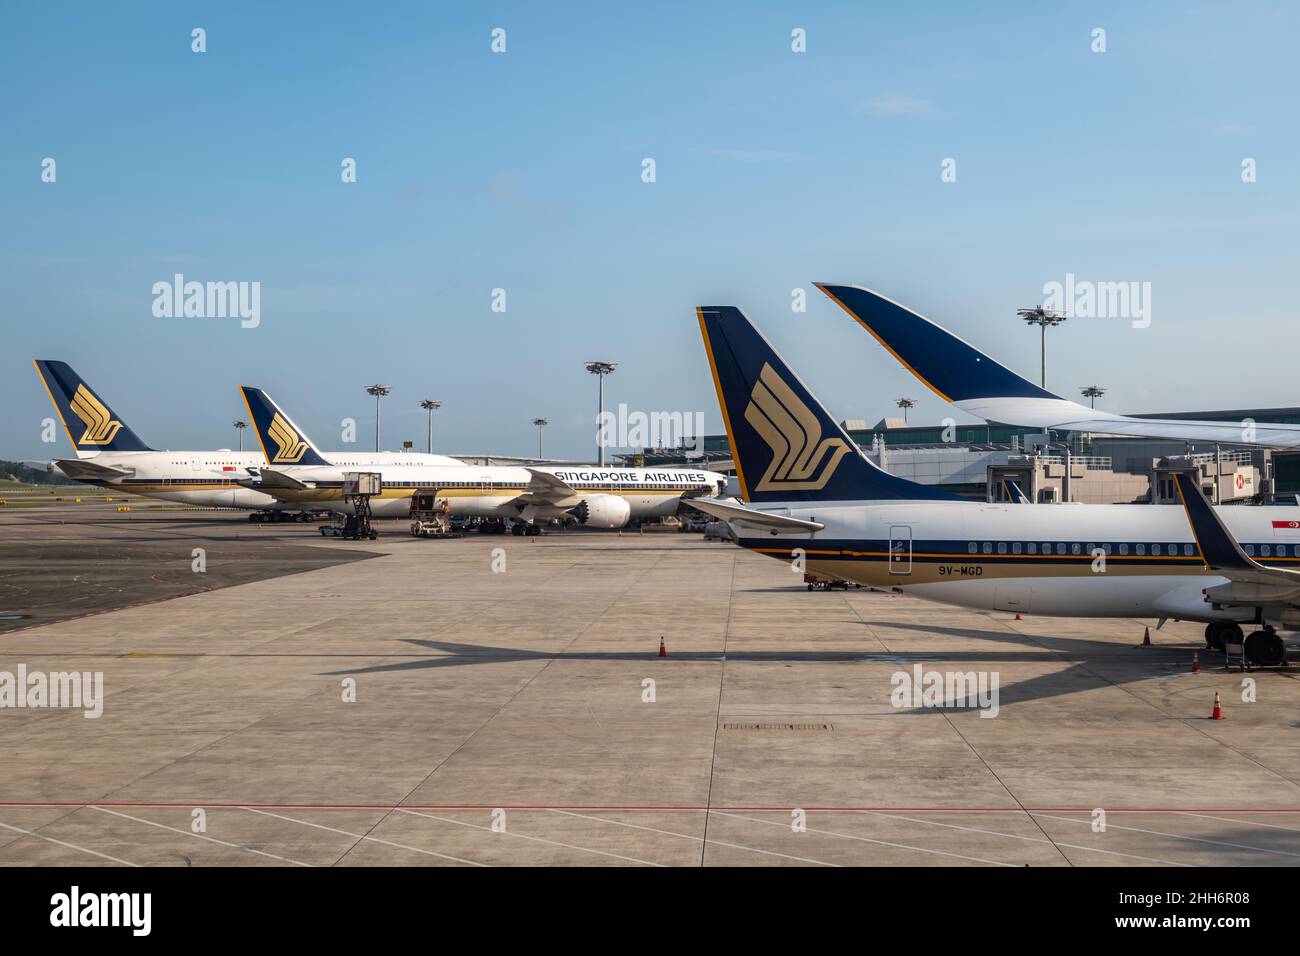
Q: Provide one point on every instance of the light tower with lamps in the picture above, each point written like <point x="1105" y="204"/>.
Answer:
<point x="905" y="404"/>
<point x="379" y="391"/>
<point x="1092" y="393"/>
<point x="239" y="428"/>
<point x="540" y="423"/>
<point x="431" y="405"/>
<point x="1042" y="317"/>
<point x="600" y="370"/>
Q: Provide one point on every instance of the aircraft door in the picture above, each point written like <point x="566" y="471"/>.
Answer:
<point x="900" y="549"/>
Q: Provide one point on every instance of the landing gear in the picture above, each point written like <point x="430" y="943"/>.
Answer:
<point x="1265" y="648"/>
<point x="1218" y="633"/>
<point x="262" y="517"/>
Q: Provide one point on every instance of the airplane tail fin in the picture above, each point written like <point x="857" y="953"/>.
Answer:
<point x="91" y="425"/>
<point x="1219" y="549"/>
<point x="947" y="365"/>
<point x="283" y="442"/>
<point x="785" y="444"/>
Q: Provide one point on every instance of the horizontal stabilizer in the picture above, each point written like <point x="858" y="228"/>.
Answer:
<point x="268" y="479"/>
<point x="79" y="469"/>
<point x="736" y="512"/>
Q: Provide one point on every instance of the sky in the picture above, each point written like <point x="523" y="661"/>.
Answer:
<point x="523" y="171"/>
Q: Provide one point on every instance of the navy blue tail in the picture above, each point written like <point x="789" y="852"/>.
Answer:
<point x="283" y="442"/>
<point x="91" y="425"/>
<point x="948" y="366"/>
<point x="785" y="444"/>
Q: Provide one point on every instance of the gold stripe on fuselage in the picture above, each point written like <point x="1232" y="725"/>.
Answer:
<point x="873" y="567"/>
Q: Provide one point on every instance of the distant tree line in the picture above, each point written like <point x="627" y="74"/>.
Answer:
<point x="17" y="471"/>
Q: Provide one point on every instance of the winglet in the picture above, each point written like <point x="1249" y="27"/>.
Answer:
<point x="1014" y="494"/>
<point x="950" y="367"/>
<point x="283" y="442"/>
<point x="1219" y="549"/>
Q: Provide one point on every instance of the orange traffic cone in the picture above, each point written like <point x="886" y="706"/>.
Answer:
<point x="1196" y="663"/>
<point x="1146" y="637"/>
<point x="663" y="651"/>
<point x="1218" y="708"/>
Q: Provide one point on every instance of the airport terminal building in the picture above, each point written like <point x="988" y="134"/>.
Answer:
<point x="977" y="460"/>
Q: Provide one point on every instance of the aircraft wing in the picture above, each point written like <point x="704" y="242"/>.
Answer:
<point x="80" y="469"/>
<point x="961" y="374"/>
<point x="734" y="512"/>
<point x="544" y="488"/>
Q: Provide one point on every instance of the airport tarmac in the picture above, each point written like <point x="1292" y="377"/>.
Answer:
<point x="501" y="714"/>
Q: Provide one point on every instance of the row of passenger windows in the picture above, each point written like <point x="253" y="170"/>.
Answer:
<point x="577" y="486"/>
<point x="1061" y="547"/>
<point x="1155" y="549"/>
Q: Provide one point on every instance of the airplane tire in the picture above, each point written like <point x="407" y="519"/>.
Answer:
<point x="1265" y="648"/>
<point x="1229" y="633"/>
<point x="1214" y="635"/>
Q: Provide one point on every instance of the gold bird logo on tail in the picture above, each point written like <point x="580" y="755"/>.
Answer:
<point x="100" y="424"/>
<point x="795" y="436"/>
<point x="290" y="448"/>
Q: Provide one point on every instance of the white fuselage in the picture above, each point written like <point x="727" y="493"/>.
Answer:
<point x="497" y="491"/>
<point x="211" y="478"/>
<point x="1069" y="560"/>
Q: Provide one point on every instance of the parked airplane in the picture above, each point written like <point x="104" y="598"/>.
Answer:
<point x="964" y="376"/>
<point x="810" y="494"/>
<point x="111" y="455"/>
<point x="596" y="497"/>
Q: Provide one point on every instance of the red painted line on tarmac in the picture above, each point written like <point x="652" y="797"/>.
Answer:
<point x="579" y="806"/>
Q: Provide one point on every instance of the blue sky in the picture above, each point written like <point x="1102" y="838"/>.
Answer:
<point x="522" y="171"/>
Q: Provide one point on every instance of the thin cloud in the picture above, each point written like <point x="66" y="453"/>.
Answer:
<point x="895" y="104"/>
<point x="508" y="190"/>
<point x="754" y="155"/>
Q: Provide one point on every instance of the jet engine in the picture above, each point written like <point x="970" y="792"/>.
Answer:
<point x="602" y="511"/>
